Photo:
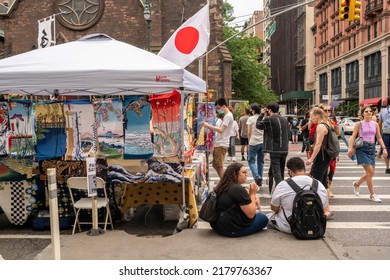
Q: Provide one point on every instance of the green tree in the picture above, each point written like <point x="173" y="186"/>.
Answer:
<point x="248" y="74"/>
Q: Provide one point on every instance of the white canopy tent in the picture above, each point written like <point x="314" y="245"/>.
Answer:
<point x="94" y="65"/>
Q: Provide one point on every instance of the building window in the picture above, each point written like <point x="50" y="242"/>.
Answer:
<point x="375" y="29"/>
<point x="79" y="14"/>
<point x="336" y="78"/>
<point x="368" y="33"/>
<point x="354" y="41"/>
<point x="373" y="66"/>
<point x="352" y="72"/>
<point x="349" y="43"/>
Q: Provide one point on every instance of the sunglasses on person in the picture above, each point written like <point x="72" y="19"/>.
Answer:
<point x="328" y="110"/>
<point x="367" y="111"/>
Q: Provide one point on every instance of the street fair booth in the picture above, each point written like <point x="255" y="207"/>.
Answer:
<point x="94" y="98"/>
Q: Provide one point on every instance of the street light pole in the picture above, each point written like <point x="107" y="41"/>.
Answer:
<point x="147" y="16"/>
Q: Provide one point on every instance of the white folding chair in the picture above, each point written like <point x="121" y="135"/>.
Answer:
<point x="80" y="183"/>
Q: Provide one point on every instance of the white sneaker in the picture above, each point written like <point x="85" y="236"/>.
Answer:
<point x="356" y="188"/>
<point x="234" y="159"/>
<point x="229" y="158"/>
<point x="375" y="198"/>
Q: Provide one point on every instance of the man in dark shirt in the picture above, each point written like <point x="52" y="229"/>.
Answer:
<point x="276" y="135"/>
<point x="305" y="132"/>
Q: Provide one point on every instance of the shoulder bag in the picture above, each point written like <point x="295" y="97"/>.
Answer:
<point x="358" y="143"/>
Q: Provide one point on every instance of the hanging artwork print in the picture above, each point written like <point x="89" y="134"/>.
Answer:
<point x="4" y="128"/>
<point x="166" y="124"/>
<point x="136" y="114"/>
<point x="50" y="130"/>
<point x="206" y="113"/>
<point x="109" y="123"/>
<point x="21" y="119"/>
<point x="81" y="140"/>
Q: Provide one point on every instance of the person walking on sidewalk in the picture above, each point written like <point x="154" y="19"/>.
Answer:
<point x="243" y="128"/>
<point x="283" y="197"/>
<point x="240" y="206"/>
<point x="232" y="142"/>
<point x="367" y="129"/>
<point x="294" y="123"/>
<point x="221" y="144"/>
<point x="305" y="133"/>
<point x="255" y="148"/>
<point x="320" y="160"/>
<point x="384" y="125"/>
<point x="276" y="138"/>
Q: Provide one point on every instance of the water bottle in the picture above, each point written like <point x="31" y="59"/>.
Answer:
<point x="353" y="157"/>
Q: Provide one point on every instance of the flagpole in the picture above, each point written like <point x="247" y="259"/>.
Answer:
<point x="256" y="23"/>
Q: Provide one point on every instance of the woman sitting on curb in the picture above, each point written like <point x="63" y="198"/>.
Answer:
<point x="238" y="204"/>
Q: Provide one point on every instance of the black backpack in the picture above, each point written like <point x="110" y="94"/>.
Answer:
<point x="307" y="220"/>
<point x="209" y="211"/>
<point x="333" y="146"/>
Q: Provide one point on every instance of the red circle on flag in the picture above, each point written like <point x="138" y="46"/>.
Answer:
<point x="187" y="39"/>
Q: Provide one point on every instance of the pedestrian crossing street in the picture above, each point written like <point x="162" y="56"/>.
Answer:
<point x="350" y="211"/>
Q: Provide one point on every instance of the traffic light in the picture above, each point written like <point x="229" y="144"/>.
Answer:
<point x="354" y="10"/>
<point x="344" y="9"/>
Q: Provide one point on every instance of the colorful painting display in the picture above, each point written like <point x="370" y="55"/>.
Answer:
<point x="166" y="124"/>
<point x="50" y="130"/>
<point x="137" y="115"/>
<point x="206" y="113"/>
<point x="109" y="123"/>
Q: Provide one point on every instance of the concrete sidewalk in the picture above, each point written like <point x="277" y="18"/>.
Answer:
<point x="194" y="244"/>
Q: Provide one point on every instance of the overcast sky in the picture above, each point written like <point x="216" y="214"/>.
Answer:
<point x="243" y="9"/>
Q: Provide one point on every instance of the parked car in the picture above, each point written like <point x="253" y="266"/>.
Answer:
<point x="348" y="124"/>
<point x="339" y="118"/>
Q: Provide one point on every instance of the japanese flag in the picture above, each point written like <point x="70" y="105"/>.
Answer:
<point x="190" y="40"/>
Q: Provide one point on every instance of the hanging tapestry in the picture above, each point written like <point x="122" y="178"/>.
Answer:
<point x="208" y="116"/>
<point x="21" y="119"/>
<point x="50" y="130"/>
<point x="17" y="200"/>
<point x="80" y="124"/>
<point x="4" y="128"/>
<point x="166" y="124"/>
<point x="136" y="114"/>
<point x="109" y="124"/>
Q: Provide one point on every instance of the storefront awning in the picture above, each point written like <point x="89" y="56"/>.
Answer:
<point x="335" y="103"/>
<point x="371" y="101"/>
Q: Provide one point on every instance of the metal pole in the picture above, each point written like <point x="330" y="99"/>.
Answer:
<point x="256" y="23"/>
<point x="149" y="26"/>
<point x="53" y="206"/>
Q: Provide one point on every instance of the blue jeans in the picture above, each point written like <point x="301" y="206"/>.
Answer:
<point x="342" y="137"/>
<point x="256" y="151"/>
<point x="258" y="224"/>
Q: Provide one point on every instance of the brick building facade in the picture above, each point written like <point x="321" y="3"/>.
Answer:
<point x="121" y="19"/>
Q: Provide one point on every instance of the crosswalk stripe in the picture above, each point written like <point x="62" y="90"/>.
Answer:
<point x="355" y="225"/>
<point x="342" y="196"/>
<point x="349" y="208"/>
<point x="336" y="178"/>
<point x="330" y="225"/>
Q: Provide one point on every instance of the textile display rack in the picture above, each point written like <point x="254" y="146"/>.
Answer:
<point x="79" y="69"/>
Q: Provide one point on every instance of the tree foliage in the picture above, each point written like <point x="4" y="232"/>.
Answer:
<point x="248" y="74"/>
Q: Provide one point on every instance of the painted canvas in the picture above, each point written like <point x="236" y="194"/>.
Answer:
<point x="166" y="124"/>
<point x="109" y="122"/>
<point x="137" y="114"/>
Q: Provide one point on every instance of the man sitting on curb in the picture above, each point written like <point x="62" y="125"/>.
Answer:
<point x="284" y="195"/>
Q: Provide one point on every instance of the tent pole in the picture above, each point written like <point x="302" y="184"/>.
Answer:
<point x="182" y="161"/>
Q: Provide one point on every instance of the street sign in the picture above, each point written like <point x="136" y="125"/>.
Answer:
<point x="272" y="29"/>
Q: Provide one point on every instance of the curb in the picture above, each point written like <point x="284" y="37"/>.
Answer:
<point x="336" y="248"/>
